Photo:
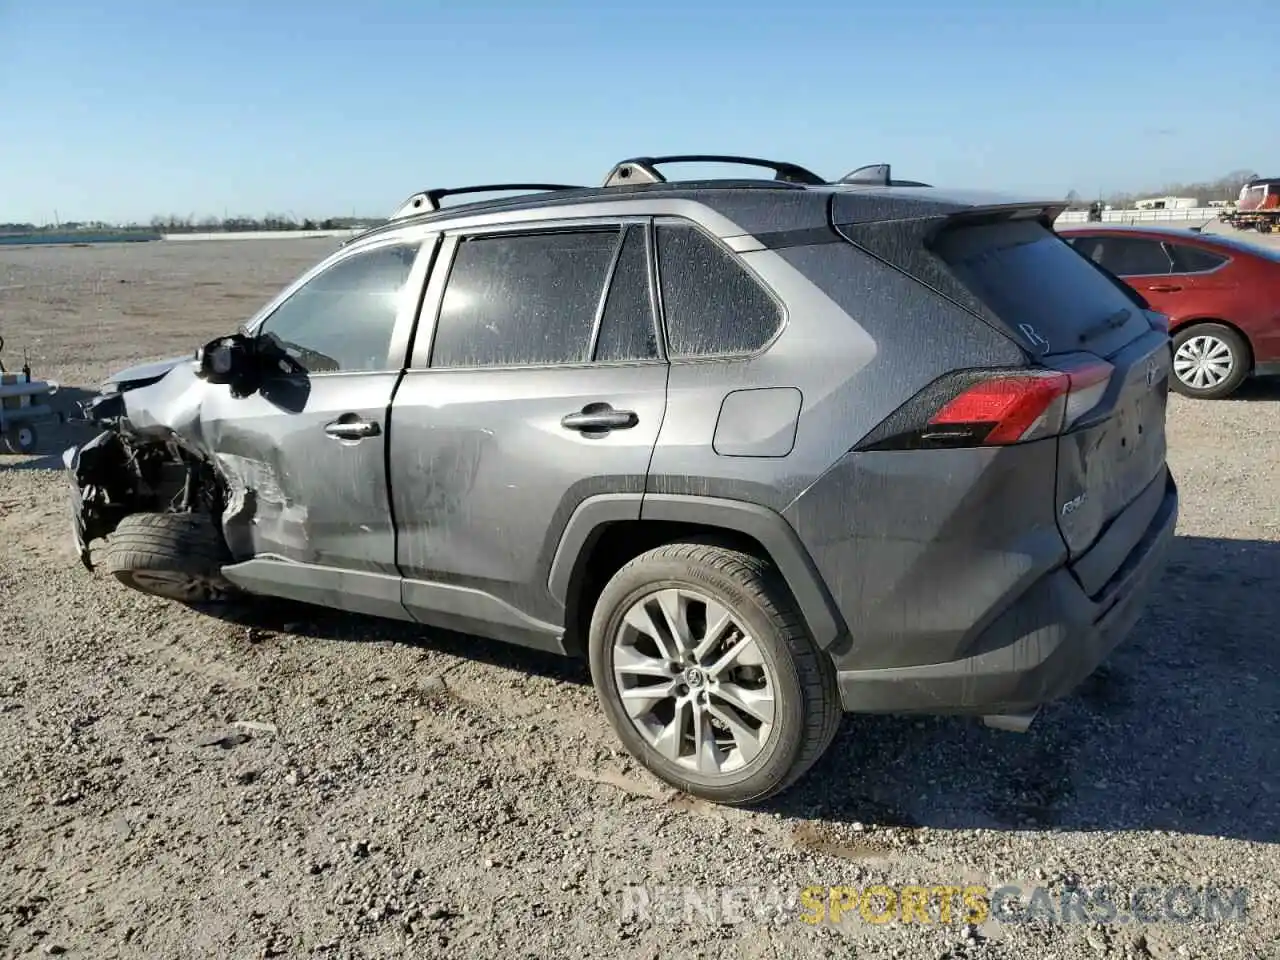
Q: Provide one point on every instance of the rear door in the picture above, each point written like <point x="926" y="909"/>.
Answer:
<point x="537" y="380"/>
<point x="1142" y="262"/>
<point x="1200" y="272"/>
<point x="1115" y="455"/>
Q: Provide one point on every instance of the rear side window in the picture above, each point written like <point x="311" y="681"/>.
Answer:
<point x="1133" y="257"/>
<point x="1189" y="259"/>
<point x="1038" y="286"/>
<point x="712" y="305"/>
<point x="521" y="300"/>
<point x="627" y="329"/>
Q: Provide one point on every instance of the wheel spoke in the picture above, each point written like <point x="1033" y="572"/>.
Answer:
<point x="641" y="621"/>
<point x="719" y="620"/>
<point x="708" y="752"/>
<point x="670" y="741"/>
<point x="754" y="703"/>
<point x="640" y="701"/>
<point x="742" y="654"/>
<point x="675" y="609"/>
<point x="627" y="660"/>
<point x="747" y="741"/>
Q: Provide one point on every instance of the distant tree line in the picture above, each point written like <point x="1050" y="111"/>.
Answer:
<point x="174" y="223"/>
<point x="1224" y="188"/>
<point x="245" y="224"/>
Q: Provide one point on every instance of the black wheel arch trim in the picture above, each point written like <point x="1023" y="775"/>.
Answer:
<point x="769" y="528"/>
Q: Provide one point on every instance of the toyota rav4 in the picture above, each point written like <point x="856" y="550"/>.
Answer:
<point x="763" y="451"/>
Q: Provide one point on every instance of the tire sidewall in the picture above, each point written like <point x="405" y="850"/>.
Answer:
<point x="187" y="545"/>
<point x="13" y="441"/>
<point x="786" y="740"/>
<point x="1239" y="356"/>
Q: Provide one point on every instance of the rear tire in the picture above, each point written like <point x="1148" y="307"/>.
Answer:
<point x="1210" y="361"/>
<point x="733" y="728"/>
<point x="177" y="556"/>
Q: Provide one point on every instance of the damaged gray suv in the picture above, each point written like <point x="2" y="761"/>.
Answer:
<point x="763" y="451"/>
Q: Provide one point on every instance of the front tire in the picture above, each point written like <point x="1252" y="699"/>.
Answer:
<point x="1210" y="361"/>
<point x="177" y="556"/>
<point x="704" y="668"/>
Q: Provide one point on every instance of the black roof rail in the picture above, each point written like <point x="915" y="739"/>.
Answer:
<point x="877" y="175"/>
<point x="429" y="200"/>
<point x="644" y="169"/>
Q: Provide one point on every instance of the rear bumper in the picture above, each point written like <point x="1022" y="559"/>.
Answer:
<point x="1052" y="638"/>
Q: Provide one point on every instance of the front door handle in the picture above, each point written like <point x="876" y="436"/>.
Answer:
<point x="599" y="418"/>
<point x="1165" y="287"/>
<point x="343" y="429"/>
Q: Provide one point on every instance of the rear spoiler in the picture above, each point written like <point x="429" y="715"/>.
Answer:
<point x="937" y="207"/>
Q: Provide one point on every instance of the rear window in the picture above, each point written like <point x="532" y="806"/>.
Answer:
<point x="1189" y="259"/>
<point x="1045" y="291"/>
<point x="1244" y="246"/>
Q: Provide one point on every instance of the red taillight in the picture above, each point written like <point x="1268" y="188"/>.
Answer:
<point x="971" y="408"/>
<point x="1006" y="409"/>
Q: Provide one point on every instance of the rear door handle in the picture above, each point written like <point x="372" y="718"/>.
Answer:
<point x="599" y="418"/>
<point x="1165" y="288"/>
<point x="342" y="429"/>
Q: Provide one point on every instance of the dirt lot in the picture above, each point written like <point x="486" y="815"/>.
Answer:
<point x="298" y="782"/>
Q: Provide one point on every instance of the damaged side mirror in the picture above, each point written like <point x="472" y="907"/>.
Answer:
<point x="231" y="360"/>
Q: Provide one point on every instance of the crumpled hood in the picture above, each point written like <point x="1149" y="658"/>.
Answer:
<point x="146" y="372"/>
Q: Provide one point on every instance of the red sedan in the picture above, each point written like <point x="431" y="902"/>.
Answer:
<point x="1222" y="297"/>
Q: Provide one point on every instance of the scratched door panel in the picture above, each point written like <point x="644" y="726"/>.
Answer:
<point x="484" y="475"/>
<point x="303" y="494"/>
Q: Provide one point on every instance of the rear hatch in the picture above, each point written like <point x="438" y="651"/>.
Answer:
<point x="1010" y="267"/>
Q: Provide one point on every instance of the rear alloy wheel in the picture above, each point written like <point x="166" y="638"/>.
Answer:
<point x="1209" y="361"/>
<point x="704" y="668"/>
<point x="21" y="439"/>
<point x="177" y="556"/>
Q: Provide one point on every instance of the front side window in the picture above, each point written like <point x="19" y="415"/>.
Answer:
<point x="342" y="319"/>
<point x="523" y="299"/>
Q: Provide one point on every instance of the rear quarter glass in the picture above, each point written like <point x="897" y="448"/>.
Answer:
<point x="1045" y="292"/>
<point x="1230" y="245"/>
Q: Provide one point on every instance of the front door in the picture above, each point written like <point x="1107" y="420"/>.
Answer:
<point x="305" y="455"/>
<point x="543" y="383"/>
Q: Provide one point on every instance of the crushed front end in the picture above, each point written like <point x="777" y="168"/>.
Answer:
<point x="125" y="470"/>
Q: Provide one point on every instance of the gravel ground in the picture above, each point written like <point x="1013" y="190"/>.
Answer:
<point x="291" y="781"/>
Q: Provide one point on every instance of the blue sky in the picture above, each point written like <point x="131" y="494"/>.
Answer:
<point x="127" y="109"/>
